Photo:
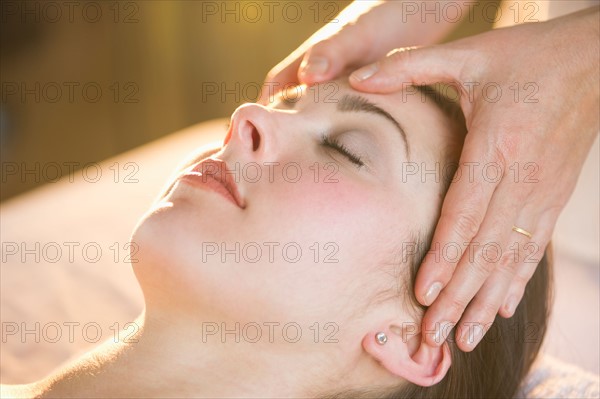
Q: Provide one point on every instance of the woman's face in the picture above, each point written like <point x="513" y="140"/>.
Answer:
<point x="321" y="232"/>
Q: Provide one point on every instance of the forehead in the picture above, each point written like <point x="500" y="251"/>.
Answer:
<point x="425" y="124"/>
<point x="330" y="93"/>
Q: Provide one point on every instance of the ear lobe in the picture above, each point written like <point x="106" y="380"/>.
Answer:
<point x="409" y="357"/>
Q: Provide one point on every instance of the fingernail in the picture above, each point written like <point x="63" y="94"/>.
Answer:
<point x="511" y="305"/>
<point x="432" y="293"/>
<point x="365" y="72"/>
<point x="315" y="66"/>
<point x="442" y="333"/>
<point x="472" y="334"/>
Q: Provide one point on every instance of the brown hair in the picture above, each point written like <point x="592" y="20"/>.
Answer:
<point x="496" y="367"/>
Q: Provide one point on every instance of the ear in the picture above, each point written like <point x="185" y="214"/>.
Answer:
<point x="407" y="355"/>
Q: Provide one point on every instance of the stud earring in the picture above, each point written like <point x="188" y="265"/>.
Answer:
<point x="381" y="338"/>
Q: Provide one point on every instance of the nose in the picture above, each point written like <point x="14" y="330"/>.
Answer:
<point x="251" y="128"/>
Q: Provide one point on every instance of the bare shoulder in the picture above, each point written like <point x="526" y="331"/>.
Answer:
<point x="19" y="391"/>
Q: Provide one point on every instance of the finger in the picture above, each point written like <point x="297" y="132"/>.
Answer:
<point x="358" y="41"/>
<point x="412" y="66"/>
<point x="483" y="308"/>
<point x="486" y="252"/>
<point x="532" y="254"/>
<point x="284" y="73"/>
<point x="328" y="58"/>
<point x="462" y="213"/>
<point x="516" y="290"/>
<point x="324" y="60"/>
<point x="515" y="294"/>
<point x="481" y="312"/>
<point x="327" y="53"/>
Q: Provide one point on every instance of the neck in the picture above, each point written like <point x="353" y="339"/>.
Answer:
<point x="167" y="359"/>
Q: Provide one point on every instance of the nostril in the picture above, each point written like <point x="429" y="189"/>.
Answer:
<point x="255" y="138"/>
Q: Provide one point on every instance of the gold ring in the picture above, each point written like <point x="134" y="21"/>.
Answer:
<point x="521" y="231"/>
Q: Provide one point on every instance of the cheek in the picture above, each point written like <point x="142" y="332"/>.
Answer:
<point x="356" y="215"/>
<point x="340" y="199"/>
<point x="348" y="198"/>
<point x="339" y="205"/>
<point x="349" y="233"/>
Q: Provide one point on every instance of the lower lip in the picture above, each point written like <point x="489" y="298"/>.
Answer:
<point x="208" y="183"/>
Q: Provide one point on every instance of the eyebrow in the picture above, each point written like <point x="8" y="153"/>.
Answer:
<point x="356" y="103"/>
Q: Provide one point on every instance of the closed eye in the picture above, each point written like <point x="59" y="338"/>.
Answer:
<point x="342" y="149"/>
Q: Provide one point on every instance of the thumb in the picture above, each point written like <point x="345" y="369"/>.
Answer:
<point x="410" y="66"/>
<point x="328" y="58"/>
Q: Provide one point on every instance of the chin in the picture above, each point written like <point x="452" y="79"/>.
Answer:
<point x="168" y="262"/>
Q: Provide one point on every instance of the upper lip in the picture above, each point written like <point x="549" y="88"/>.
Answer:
<point x="217" y="169"/>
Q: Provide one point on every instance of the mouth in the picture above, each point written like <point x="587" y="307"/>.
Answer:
<point x="214" y="174"/>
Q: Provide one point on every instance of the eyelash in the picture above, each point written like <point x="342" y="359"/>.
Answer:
<point x="342" y="149"/>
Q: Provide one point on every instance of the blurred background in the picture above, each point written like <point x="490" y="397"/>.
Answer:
<point x="85" y="80"/>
